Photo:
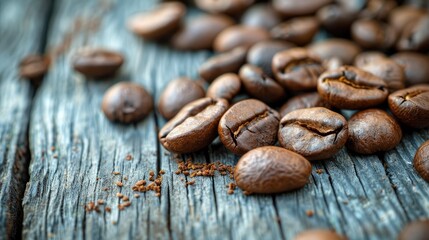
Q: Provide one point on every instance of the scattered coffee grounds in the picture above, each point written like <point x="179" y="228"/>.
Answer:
<point x="231" y="188"/>
<point x="119" y="184"/>
<point x="309" y="213"/>
<point x="91" y="206"/>
<point x="154" y="185"/>
<point x="188" y="168"/>
<point x="190" y="183"/>
<point x="129" y="157"/>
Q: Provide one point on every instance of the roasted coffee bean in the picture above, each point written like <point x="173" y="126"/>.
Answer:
<point x="297" y="30"/>
<point x="417" y="230"/>
<point x="421" y="162"/>
<point x="411" y="105"/>
<point x="306" y="100"/>
<point x="226" y="86"/>
<point x="353" y="5"/>
<point x="332" y="63"/>
<point x="351" y="88"/>
<point x="297" y="69"/>
<point x="33" y="68"/>
<point x="401" y="16"/>
<point x="97" y="63"/>
<point x="126" y="102"/>
<point x="271" y="170"/>
<point x="377" y="9"/>
<point x="262" y="53"/>
<point x="194" y="127"/>
<point x="177" y="94"/>
<point x="315" y="133"/>
<point x="293" y="8"/>
<point x="373" y="34"/>
<point x="343" y="49"/>
<point x="160" y="22"/>
<point x="415" y="66"/>
<point x="388" y="70"/>
<point x="365" y="58"/>
<point x="261" y="15"/>
<point x="319" y="234"/>
<point x="200" y="32"/>
<point x="247" y="125"/>
<point x="230" y="7"/>
<point x="336" y="19"/>
<point x="228" y="62"/>
<point x="372" y="131"/>
<point x="259" y="85"/>
<point x="415" y="36"/>
<point x="239" y="36"/>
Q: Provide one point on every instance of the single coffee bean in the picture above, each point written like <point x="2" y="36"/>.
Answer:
<point x="293" y="8"/>
<point x="239" y="36"/>
<point x="228" y="62"/>
<point x="377" y="9"/>
<point x="417" y="230"/>
<point x="315" y="133"/>
<point x="319" y="234"/>
<point x="411" y="105"/>
<point x="299" y="30"/>
<point x="259" y="85"/>
<point x="33" y="68"/>
<point x="306" y="100"/>
<point x="194" y="127"/>
<point x="372" y="131"/>
<point x="200" y="32"/>
<point x="336" y="19"/>
<point x="370" y="57"/>
<point x="415" y="36"/>
<point x="247" y="125"/>
<point x="343" y="49"/>
<point x="415" y="66"/>
<point x="271" y="169"/>
<point x="401" y="16"/>
<point x="421" y="162"/>
<point x="388" y="70"/>
<point x="332" y="63"/>
<point x="261" y="15"/>
<point x="158" y="23"/>
<point x="297" y="69"/>
<point x="126" y="102"/>
<point x="177" y="94"/>
<point x="226" y="86"/>
<point x="97" y="63"/>
<point x="261" y="54"/>
<point x="230" y="7"/>
<point x="373" y="34"/>
<point x="352" y="88"/>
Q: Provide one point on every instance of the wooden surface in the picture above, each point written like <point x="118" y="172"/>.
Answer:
<point x="72" y="145"/>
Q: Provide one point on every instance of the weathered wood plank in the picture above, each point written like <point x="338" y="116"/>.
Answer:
<point x="21" y="30"/>
<point x="354" y="194"/>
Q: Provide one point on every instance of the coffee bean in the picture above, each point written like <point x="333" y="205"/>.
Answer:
<point x="353" y="5"/>
<point x="370" y="57"/>
<point x="315" y="133"/>
<point x="306" y="100"/>
<point x="411" y="105"/>
<point x="126" y="102"/>
<point x="351" y="88"/>
<point x="388" y="70"/>
<point x="415" y="66"/>
<point x="262" y="53"/>
<point x="228" y="62"/>
<point x="259" y="85"/>
<point x="194" y="127"/>
<point x="239" y="36"/>
<point x="401" y="16"/>
<point x="158" y="23"/>
<point x="416" y="230"/>
<point x="97" y="63"/>
<point x="200" y="32"/>
<point x="293" y="8"/>
<point x="373" y="34"/>
<point x="377" y="9"/>
<point x="319" y="234"/>
<point x="372" y="131"/>
<point x="343" y="49"/>
<point x="261" y="15"/>
<point x="33" y="68"/>
<point x="297" y="30"/>
<point x="415" y="36"/>
<point x="271" y="170"/>
<point x="247" y="125"/>
<point x="296" y="69"/>
<point x="226" y="86"/>
<point x="421" y="161"/>
<point x="230" y="7"/>
<point x="332" y="63"/>
<point x="177" y="94"/>
<point x="336" y="19"/>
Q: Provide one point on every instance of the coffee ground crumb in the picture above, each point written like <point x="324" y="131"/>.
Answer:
<point x="119" y="184"/>
<point x="309" y="213"/>
<point x="319" y="171"/>
<point x="116" y="173"/>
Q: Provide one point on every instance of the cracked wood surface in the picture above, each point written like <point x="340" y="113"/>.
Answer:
<point x="72" y="145"/>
